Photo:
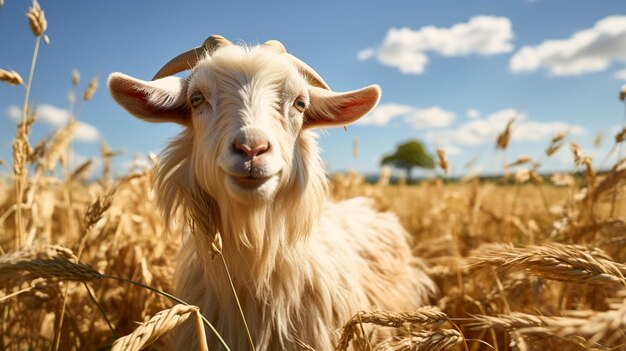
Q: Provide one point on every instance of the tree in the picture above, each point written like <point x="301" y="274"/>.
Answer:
<point x="408" y="155"/>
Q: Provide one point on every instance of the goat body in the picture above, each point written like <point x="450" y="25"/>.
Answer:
<point x="248" y="164"/>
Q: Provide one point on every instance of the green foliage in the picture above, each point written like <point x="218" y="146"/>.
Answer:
<point x="408" y="155"/>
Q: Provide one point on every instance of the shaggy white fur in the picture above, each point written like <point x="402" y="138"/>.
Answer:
<point x="301" y="265"/>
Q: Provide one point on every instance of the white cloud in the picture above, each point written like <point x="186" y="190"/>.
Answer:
<point x="534" y="131"/>
<point x="14" y="112"/>
<point x="52" y="115"/>
<point x="621" y="74"/>
<point x="432" y="117"/>
<point x="48" y="114"/>
<point x="365" y="54"/>
<point x="384" y="113"/>
<point x="589" y="50"/>
<point x="485" y="130"/>
<point x="472" y="113"/>
<point x="406" y="49"/>
<point x="57" y="117"/>
<point x="86" y="133"/>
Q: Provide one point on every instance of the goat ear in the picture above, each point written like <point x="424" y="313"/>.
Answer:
<point x="162" y="100"/>
<point x="330" y="109"/>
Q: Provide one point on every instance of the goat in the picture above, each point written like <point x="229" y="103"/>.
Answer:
<point x="301" y="264"/>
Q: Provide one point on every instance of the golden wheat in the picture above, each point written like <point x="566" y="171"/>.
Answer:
<point x="520" y="266"/>
<point x="91" y="89"/>
<point x="569" y="263"/>
<point x="522" y="160"/>
<point x="443" y="160"/>
<point x="503" y="138"/>
<point x="437" y="340"/>
<point x="75" y="78"/>
<point x="36" y="19"/>
<point x="595" y="326"/>
<point x="49" y="261"/>
<point x="11" y="77"/>
<point x="159" y="325"/>
<point x="424" y="316"/>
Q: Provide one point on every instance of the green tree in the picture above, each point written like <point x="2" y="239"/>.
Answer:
<point x="408" y="155"/>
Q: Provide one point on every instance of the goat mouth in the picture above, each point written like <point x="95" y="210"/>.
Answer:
<point x="250" y="182"/>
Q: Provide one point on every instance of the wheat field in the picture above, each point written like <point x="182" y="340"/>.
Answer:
<point x="525" y="261"/>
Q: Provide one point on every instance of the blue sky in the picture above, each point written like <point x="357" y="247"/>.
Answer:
<point x="452" y="72"/>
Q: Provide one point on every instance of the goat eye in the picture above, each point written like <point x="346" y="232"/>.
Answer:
<point x="196" y="99"/>
<point x="299" y="104"/>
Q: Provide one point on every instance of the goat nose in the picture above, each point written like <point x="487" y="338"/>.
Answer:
<point x="251" y="149"/>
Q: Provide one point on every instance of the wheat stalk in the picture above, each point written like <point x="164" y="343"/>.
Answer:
<point x="107" y="155"/>
<point x="579" y="157"/>
<point x="81" y="171"/>
<point x="556" y="143"/>
<point x="34" y="284"/>
<point x="75" y="78"/>
<point x="49" y="261"/>
<point x="437" y="340"/>
<point x="58" y="145"/>
<point x="96" y="210"/>
<point x="513" y="320"/>
<point x="38" y="24"/>
<point x="36" y="19"/>
<point x="520" y="161"/>
<point x="443" y="160"/>
<point x="598" y="327"/>
<point x="552" y="149"/>
<point x="617" y="173"/>
<point x="91" y="89"/>
<point x="621" y="136"/>
<point x="504" y="137"/>
<point x="570" y="263"/>
<point x="10" y="77"/>
<point x="159" y="325"/>
<point x="428" y="315"/>
<point x="56" y="262"/>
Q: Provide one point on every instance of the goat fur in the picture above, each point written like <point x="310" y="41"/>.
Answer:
<point x="302" y="265"/>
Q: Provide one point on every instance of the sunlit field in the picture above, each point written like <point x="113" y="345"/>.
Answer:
<point x="526" y="260"/>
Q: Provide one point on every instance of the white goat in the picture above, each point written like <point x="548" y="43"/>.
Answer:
<point x="301" y="264"/>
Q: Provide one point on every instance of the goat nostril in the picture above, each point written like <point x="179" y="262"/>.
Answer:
<point x="238" y="148"/>
<point x="245" y="149"/>
<point x="261" y="149"/>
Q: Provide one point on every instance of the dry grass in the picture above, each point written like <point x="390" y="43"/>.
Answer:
<point x="532" y="265"/>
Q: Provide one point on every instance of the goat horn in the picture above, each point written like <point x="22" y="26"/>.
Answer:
<point x="188" y="59"/>
<point x="312" y="77"/>
<point x="275" y="45"/>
